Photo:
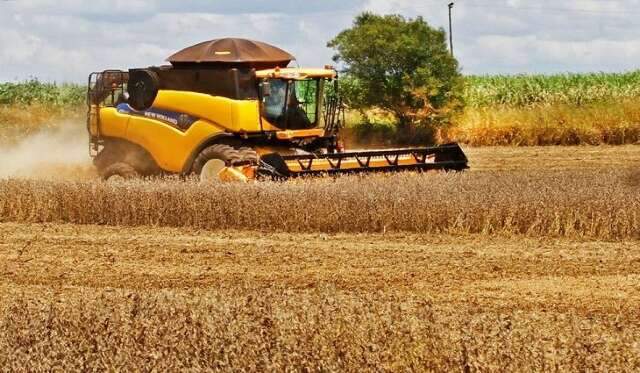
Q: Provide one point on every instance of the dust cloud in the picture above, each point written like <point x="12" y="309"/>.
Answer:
<point x="58" y="153"/>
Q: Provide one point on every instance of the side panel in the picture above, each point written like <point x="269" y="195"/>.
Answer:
<point x="246" y="116"/>
<point x="112" y="123"/>
<point x="169" y="146"/>
<point x="234" y="115"/>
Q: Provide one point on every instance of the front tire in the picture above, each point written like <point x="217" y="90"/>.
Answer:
<point x="214" y="158"/>
<point x="249" y="155"/>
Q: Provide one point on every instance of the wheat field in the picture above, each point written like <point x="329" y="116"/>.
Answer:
<point x="528" y="262"/>
<point x="601" y="204"/>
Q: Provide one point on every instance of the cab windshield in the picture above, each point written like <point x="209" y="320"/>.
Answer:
<point x="292" y="104"/>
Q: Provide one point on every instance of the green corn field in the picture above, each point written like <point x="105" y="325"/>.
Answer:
<point x="33" y="92"/>
<point x="561" y="109"/>
<point x="570" y="89"/>
<point x="481" y="91"/>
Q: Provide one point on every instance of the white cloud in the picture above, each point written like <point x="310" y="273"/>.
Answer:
<point x="532" y="54"/>
<point x="64" y="40"/>
<point x="23" y="47"/>
<point x="82" y="7"/>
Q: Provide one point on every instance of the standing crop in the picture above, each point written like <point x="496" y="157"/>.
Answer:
<point x="599" y="203"/>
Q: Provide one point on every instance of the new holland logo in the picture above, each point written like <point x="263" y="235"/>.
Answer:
<point x="161" y="117"/>
<point x="180" y="121"/>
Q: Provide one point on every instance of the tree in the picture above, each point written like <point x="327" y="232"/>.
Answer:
<point x="400" y="65"/>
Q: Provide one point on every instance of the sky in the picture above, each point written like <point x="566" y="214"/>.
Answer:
<point x="65" y="40"/>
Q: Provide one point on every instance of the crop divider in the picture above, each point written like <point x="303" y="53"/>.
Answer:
<point x="335" y="166"/>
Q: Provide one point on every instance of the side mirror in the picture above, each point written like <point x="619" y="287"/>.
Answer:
<point x="266" y="89"/>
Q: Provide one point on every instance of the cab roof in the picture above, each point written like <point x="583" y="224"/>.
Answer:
<point x="296" y="73"/>
<point x="236" y="51"/>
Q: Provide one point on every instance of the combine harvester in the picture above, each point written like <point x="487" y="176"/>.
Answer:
<point x="231" y="109"/>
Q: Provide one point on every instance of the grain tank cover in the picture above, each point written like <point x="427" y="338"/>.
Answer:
<point x="236" y="83"/>
<point x="232" y="52"/>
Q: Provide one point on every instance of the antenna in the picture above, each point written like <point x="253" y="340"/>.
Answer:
<point x="451" y="4"/>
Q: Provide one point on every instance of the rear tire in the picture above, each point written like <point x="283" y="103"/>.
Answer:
<point x="119" y="170"/>
<point x="212" y="159"/>
<point x="121" y="151"/>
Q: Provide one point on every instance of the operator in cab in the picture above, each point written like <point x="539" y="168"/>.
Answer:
<point x="282" y="107"/>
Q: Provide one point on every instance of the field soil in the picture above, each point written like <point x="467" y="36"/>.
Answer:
<point x="558" y="158"/>
<point x="84" y="297"/>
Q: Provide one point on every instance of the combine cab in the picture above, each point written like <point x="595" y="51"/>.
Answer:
<point x="230" y="109"/>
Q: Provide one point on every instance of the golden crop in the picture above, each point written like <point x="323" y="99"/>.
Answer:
<point x="600" y="203"/>
<point x="557" y="124"/>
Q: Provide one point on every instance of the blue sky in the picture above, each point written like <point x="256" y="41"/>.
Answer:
<point x="64" y="40"/>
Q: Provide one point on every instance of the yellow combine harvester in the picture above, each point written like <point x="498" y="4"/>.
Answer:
<point x="231" y="109"/>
